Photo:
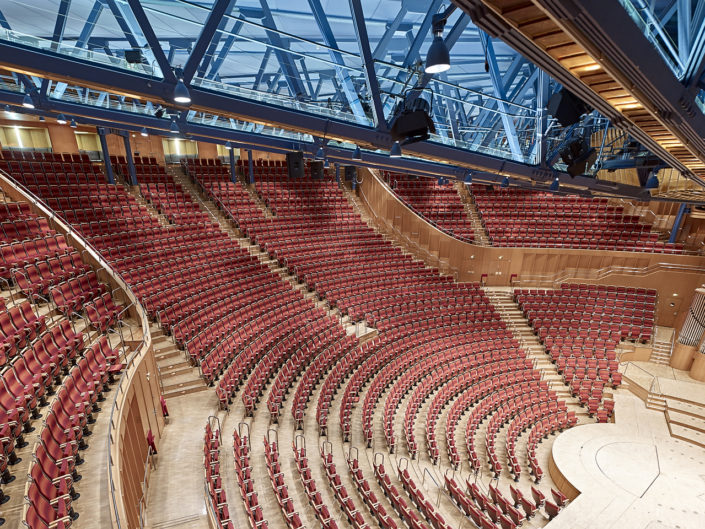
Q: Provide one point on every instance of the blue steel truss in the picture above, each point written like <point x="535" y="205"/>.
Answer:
<point x="315" y="65"/>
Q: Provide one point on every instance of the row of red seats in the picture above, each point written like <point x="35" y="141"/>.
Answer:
<point x="353" y="514"/>
<point x="211" y="464"/>
<point x="400" y="505"/>
<point x="10" y="154"/>
<point x="439" y="204"/>
<point x="276" y="478"/>
<point x="50" y="492"/>
<point x="243" y="471"/>
<point x="368" y="496"/>
<point x="309" y="485"/>
<point x="546" y="220"/>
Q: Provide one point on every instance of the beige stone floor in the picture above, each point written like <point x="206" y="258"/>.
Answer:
<point x="176" y="487"/>
<point x="631" y="474"/>
<point x="670" y="381"/>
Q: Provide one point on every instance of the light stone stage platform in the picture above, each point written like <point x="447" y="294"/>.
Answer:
<point x="630" y="474"/>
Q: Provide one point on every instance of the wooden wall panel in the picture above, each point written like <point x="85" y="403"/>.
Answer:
<point x="673" y="276"/>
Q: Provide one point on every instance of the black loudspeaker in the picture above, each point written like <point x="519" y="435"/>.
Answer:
<point x="566" y="107"/>
<point x="578" y="156"/>
<point x="350" y="173"/>
<point x="133" y="56"/>
<point x="317" y="170"/>
<point x="295" y="164"/>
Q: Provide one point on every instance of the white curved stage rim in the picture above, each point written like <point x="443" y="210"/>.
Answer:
<point x="630" y="474"/>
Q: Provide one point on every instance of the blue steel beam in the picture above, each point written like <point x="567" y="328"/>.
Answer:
<point x="215" y="17"/>
<point x="413" y="53"/>
<point x="368" y="64"/>
<point x="60" y="24"/>
<point x="3" y="22"/>
<point x="383" y="43"/>
<point x="262" y="68"/>
<point x="225" y="50"/>
<point x="148" y="33"/>
<point x="213" y="46"/>
<point x="507" y="80"/>
<point x="17" y="56"/>
<point x="288" y="68"/>
<point x="496" y="77"/>
<point x="351" y="95"/>
<point x="682" y="210"/>
<point x="89" y="24"/>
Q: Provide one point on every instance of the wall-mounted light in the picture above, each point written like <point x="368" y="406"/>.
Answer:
<point x="144" y="132"/>
<point x="505" y="183"/>
<point x="73" y="124"/>
<point x="61" y="119"/>
<point x="554" y="185"/>
<point x="228" y="145"/>
<point x="357" y="153"/>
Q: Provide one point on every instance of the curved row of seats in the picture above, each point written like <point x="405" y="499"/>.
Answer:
<point x="214" y="482"/>
<point x="522" y="217"/>
<point x="581" y="326"/>
<point x="438" y="203"/>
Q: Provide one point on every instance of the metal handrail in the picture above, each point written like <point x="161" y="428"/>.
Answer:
<point x="56" y="221"/>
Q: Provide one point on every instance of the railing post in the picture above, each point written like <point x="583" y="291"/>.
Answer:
<point x="233" y="173"/>
<point x="682" y="210"/>
<point x="130" y="161"/>
<point x="106" y="155"/>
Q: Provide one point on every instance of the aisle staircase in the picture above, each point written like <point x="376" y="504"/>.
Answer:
<point x="503" y="301"/>
<point x="245" y="242"/>
<point x="472" y="213"/>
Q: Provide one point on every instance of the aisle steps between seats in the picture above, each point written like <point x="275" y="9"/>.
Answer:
<point x="474" y="216"/>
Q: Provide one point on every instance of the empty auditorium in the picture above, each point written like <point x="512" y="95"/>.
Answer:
<point x="352" y="264"/>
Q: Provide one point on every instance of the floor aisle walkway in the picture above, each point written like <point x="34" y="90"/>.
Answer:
<point x="175" y="499"/>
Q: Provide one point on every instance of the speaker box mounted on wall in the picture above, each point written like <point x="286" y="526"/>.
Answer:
<point x="317" y="169"/>
<point x="295" y="164"/>
<point x="350" y="172"/>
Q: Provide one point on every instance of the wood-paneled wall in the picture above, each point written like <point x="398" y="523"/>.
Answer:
<point x="673" y="276"/>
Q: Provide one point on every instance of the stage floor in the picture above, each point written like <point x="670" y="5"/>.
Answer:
<point x="631" y="474"/>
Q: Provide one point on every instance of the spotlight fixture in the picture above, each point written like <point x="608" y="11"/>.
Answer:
<point x="652" y="182"/>
<point x="73" y="124"/>
<point x="326" y="164"/>
<point x="228" y="145"/>
<point x="27" y="101"/>
<point x="159" y="112"/>
<point x="438" y="56"/>
<point x="7" y="108"/>
<point x="357" y="155"/>
<point x="174" y="128"/>
<point x="181" y="93"/>
<point x="143" y="132"/>
<point x="61" y="119"/>
<point x="42" y="119"/>
<point x="468" y="177"/>
<point x="320" y="153"/>
<point x="505" y="183"/>
<point x="554" y="185"/>
<point x="395" y="151"/>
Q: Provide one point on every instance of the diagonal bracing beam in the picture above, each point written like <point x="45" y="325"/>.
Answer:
<point x="215" y="18"/>
<point x="368" y="64"/>
<point x="496" y="77"/>
<point x="348" y="87"/>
